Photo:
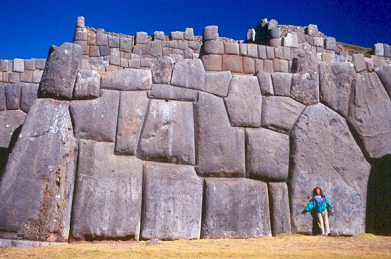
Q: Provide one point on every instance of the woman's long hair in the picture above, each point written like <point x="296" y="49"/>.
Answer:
<point x="314" y="193"/>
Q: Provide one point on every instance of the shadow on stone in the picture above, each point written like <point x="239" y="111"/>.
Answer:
<point x="4" y="152"/>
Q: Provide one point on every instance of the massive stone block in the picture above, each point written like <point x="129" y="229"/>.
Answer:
<point x="324" y="153"/>
<point x="9" y="122"/>
<point x="13" y="93"/>
<point x="87" y="84"/>
<point x="28" y="96"/>
<point x="189" y="73"/>
<point x="279" y="208"/>
<point x="244" y="102"/>
<point x="265" y="83"/>
<point x="60" y="71"/>
<point x="132" y="109"/>
<point x="335" y="85"/>
<point x="280" y="113"/>
<point x="218" y="83"/>
<point x="220" y="148"/>
<point x="384" y="74"/>
<point x="96" y="119"/>
<point x="305" y="88"/>
<point x="107" y="202"/>
<point x="127" y="80"/>
<point x="235" y="208"/>
<point x="282" y="83"/>
<point x="172" y="202"/>
<point x="169" y="92"/>
<point x="3" y="98"/>
<point x="369" y="114"/>
<point x="162" y="70"/>
<point x="168" y="133"/>
<point x="36" y="189"/>
<point x="267" y="154"/>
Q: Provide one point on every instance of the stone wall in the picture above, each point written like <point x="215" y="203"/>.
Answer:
<point x="209" y="147"/>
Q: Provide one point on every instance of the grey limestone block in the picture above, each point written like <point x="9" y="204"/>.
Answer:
<point x="101" y="38"/>
<point x="13" y="93"/>
<point x="96" y="119"/>
<point x="80" y="22"/>
<point x="40" y="63"/>
<point x="141" y="38"/>
<point x="275" y="32"/>
<point x="265" y="83"/>
<point x="116" y="182"/>
<point x="267" y="155"/>
<point x="135" y="63"/>
<point x="177" y="35"/>
<point x="162" y="70"/>
<point x="37" y="75"/>
<point x="268" y="66"/>
<point x="312" y="30"/>
<point x="93" y="51"/>
<point x="29" y="64"/>
<point x="318" y="42"/>
<point x="127" y="80"/>
<point x="233" y="63"/>
<point x="26" y="76"/>
<point x="3" y="97"/>
<point x="248" y="65"/>
<point x="18" y="65"/>
<point x="14" y="77"/>
<point x="387" y="50"/>
<point x="275" y="42"/>
<point x="250" y="36"/>
<point x="172" y="202"/>
<point x="9" y="122"/>
<point x="330" y="43"/>
<point x="369" y="110"/>
<point x="272" y="24"/>
<point x="290" y="40"/>
<point x="113" y="41"/>
<point x="28" y="95"/>
<point x="39" y="175"/>
<point x="217" y="83"/>
<point x="213" y="47"/>
<point x="269" y="52"/>
<point x="4" y="65"/>
<point x="154" y="48"/>
<point x="378" y="49"/>
<point x="384" y="74"/>
<point x="278" y="52"/>
<point x="280" y="217"/>
<point x="212" y="62"/>
<point x="189" y="53"/>
<point x="60" y="72"/>
<point x="158" y="35"/>
<point x="335" y="85"/>
<point x="194" y="45"/>
<point x="169" y="92"/>
<point x="231" y="48"/>
<point x="168" y="133"/>
<point x="189" y="34"/>
<point x="243" y="49"/>
<point x="132" y="109"/>
<point x="244" y="102"/>
<point x="189" y="74"/>
<point x="226" y="203"/>
<point x="281" y="65"/>
<point x="85" y="50"/>
<point x="305" y="88"/>
<point x="282" y="83"/>
<point x="304" y="62"/>
<point x="261" y="51"/>
<point x="125" y="44"/>
<point x="280" y="113"/>
<point x="115" y="58"/>
<point x="81" y="34"/>
<point x="220" y="147"/>
<point x="210" y="33"/>
<point x="104" y="51"/>
<point x="258" y="65"/>
<point x="324" y="153"/>
<point x="359" y="63"/>
<point x="87" y="84"/>
<point x="252" y="50"/>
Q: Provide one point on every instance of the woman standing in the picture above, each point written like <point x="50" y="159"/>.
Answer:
<point x="318" y="204"/>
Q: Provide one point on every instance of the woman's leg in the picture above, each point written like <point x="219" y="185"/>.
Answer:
<point x="325" y="215"/>
<point x="320" y="221"/>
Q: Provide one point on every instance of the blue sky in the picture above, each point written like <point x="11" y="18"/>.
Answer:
<point x="29" y="27"/>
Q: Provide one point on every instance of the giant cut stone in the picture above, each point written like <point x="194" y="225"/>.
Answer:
<point x="305" y="88"/>
<point x="265" y="83"/>
<point x="96" y="119"/>
<point x="3" y="98"/>
<point x="127" y="80"/>
<point x="132" y="109"/>
<point x="172" y="202"/>
<point x="335" y="85"/>
<point x="235" y="208"/>
<point x="168" y="133"/>
<point x="36" y="189"/>
<point x="28" y="96"/>
<point x="87" y="84"/>
<point x="282" y="83"/>
<point x="279" y="208"/>
<point x="13" y="93"/>
<point x="244" y="102"/>
<point x="60" y="71"/>
<point x="267" y="154"/>
<point x="107" y="203"/>
<point x="220" y="147"/>
<point x="169" y="92"/>
<point x="280" y="113"/>
<point x="384" y="74"/>
<point x="9" y="122"/>
<point x="369" y="114"/>
<point x="162" y="70"/>
<point x="324" y="153"/>
<point x="189" y="73"/>
<point x="218" y="83"/>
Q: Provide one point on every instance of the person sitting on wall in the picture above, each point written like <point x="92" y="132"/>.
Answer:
<point x="318" y="206"/>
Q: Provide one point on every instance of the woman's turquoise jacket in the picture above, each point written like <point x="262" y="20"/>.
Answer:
<point x="319" y="204"/>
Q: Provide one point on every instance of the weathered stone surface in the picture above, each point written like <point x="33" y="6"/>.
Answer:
<point x="169" y="92"/>
<point x="154" y="48"/>
<point x="96" y="119"/>
<point x="29" y="64"/>
<point x="248" y="65"/>
<point x="37" y="187"/>
<point x="218" y="83"/>
<point x="304" y="62"/>
<point x="101" y="38"/>
<point x="113" y="41"/>
<point x="60" y="72"/>
<point x="127" y="80"/>
<point x="29" y="95"/>
<point x="233" y="63"/>
<point x="279" y="209"/>
<point x="107" y="202"/>
<point x="359" y="63"/>
<point x="330" y="43"/>
<point x="244" y="102"/>
<point x="265" y="82"/>
<point x="141" y="37"/>
<point x="312" y="30"/>
<point x="378" y="49"/>
<point x="3" y="98"/>
<point x="235" y="208"/>
<point x="189" y="74"/>
<point x="162" y="70"/>
<point x="384" y="74"/>
<point x="261" y="52"/>
<point x="213" y="47"/>
<point x="324" y="153"/>
<point x="172" y="202"/>
<point x="369" y="114"/>
<point x="220" y="148"/>
<point x="267" y="154"/>
<point x="13" y="93"/>
<point x="305" y="88"/>
<point x="18" y="65"/>
<point x="9" y="122"/>
<point x="282" y="83"/>
<point x="280" y="113"/>
<point x="87" y="84"/>
<point x="168" y="133"/>
<point x="211" y="32"/>
<point x="132" y="109"/>
<point x="231" y="48"/>
<point x="335" y="85"/>
<point x="291" y="40"/>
